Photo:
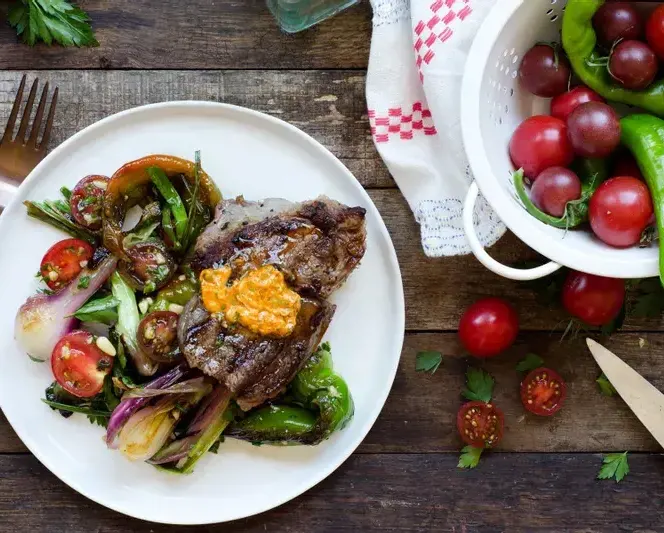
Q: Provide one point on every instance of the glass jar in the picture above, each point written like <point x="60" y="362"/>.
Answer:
<point x="296" y="15"/>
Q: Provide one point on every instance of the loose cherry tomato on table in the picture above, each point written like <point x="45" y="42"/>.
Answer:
<point x="594" y="130"/>
<point x="620" y="210"/>
<point x="480" y="424"/>
<point x="544" y="71"/>
<point x="64" y="261"/>
<point x="655" y="31"/>
<point x="595" y="300"/>
<point x="543" y="392"/>
<point x="488" y="327"/>
<point x="563" y="105"/>
<point x="554" y="188"/>
<point x="158" y="337"/>
<point x="78" y="364"/>
<point x="633" y="65"/>
<point x="87" y="199"/>
<point x="538" y="143"/>
<point x="617" y="20"/>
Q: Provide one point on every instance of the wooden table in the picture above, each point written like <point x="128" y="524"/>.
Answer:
<point x="404" y="476"/>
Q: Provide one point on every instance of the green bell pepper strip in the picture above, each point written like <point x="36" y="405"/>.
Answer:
<point x="580" y="42"/>
<point x="326" y="406"/>
<point x="592" y="173"/>
<point x="643" y="135"/>
<point x="176" y="292"/>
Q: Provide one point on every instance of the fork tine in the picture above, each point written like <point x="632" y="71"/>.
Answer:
<point x="32" y="141"/>
<point x="20" y="136"/>
<point x="49" y="122"/>
<point x="9" y="129"/>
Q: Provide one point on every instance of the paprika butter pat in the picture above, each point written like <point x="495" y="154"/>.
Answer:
<point x="260" y="300"/>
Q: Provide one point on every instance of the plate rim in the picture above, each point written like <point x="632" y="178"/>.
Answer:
<point x="362" y="432"/>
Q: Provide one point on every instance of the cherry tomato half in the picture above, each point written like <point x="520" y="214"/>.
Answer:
<point x="87" y="199"/>
<point x="563" y="105"/>
<point x="480" y="424"/>
<point x="64" y="261"/>
<point x="620" y="210"/>
<point x="488" y="327"/>
<point x="538" y="143"/>
<point x="158" y="336"/>
<point x="655" y="31"/>
<point x="543" y="392"/>
<point x="595" y="300"/>
<point x="79" y="366"/>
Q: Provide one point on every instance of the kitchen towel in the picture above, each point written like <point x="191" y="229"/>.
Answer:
<point x="418" y="54"/>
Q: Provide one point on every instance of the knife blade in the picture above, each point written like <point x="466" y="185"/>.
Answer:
<point x="638" y="393"/>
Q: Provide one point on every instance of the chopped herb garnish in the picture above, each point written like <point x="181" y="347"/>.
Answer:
<point x="614" y="466"/>
<point x="428" y="361"/>
<point x="84" y="282"/>
<point x="605" y="385"/>
<point x="479" y="385"/>
<point x="530" y="362"/>
<point x="470" y="457"/>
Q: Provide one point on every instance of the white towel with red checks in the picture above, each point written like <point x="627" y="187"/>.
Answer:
<point x="418" y="54"/>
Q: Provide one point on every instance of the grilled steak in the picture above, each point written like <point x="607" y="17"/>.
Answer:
<point x="316" y="245"/>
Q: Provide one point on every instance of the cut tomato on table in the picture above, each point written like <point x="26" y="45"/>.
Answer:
<point x="480" y="424"/>
<point x="79" y="365"/>
<point x="64" y="261"/>
<point x="86" y="201"/>
<point x="543" y="392"/>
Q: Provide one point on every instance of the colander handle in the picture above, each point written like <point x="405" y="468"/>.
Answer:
<point x="488" y="261"/>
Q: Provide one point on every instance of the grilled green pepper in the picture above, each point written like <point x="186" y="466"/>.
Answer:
<point x="323" y="405"/>
<point x="580" y="44"/>
<point x="178" y="291"/>
<point x="592" y="173"/>
<point x="643" y="135"/>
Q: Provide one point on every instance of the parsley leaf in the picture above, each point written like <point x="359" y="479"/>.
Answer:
<point x="470" y="457"/>
<point x="428" y="361"/>
<point x="605" y="385"/>
<point x="84" y="282"/>
<point x="479" y="385"/>
<point x="614" y="466"/>
<point x="51" y="20"/>
<point x="530" y="362"/>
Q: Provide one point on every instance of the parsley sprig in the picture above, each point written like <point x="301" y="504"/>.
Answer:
<point x="605" y="386"/>
<point x="428" y="361"/>
<point x="470" y="457"/>
<point x="530" y="362"/>
<point x="614" y="466"/>
<point x="479" y="385"/>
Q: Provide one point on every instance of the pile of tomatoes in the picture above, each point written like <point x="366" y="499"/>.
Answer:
<point x="581" y="124"/>
<point x="490" y="326"/>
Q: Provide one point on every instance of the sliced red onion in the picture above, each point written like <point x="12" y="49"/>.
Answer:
<point x="176" y="450"/>
<point x="44" y="319"/>
<point x="208" y="410"/>
<point x="128" y="407"/>
<point x="198" y="385"/>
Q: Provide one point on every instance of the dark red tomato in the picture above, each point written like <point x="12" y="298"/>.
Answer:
<point x="488" y="327"/>
<point x="87" y="199"/>
<point x="538" y="143"/>
<point x="64" y="261"/>
<point x="593" y="299"/>
<point x="543" y="392"/>
<point x="480" y="424"/>
<point x="633" y="65"/>
<point x="594" y="130"/>
<point x="626" y="165"/>
<point x="554" y="188"/>
<point x="620" y="210"/>
<point x="151" y="266"/>
<point x="655" y="31"/>
<point x="79" y="366"/>
<point x="563" y="105"/>
<point x="158" y="336"/>
<point x="544" y="71"/>
<point x="617" y="20"/>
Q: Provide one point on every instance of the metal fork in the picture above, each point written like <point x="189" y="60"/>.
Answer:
<point x="18" y="155"/>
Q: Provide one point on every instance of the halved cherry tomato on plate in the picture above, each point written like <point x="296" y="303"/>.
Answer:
<point x="64" y="261"/>
<point x="543" y="392"/>
<point x="79" y="366"/>
<point x="87" y="201"/>
<point x="158" y="336"/>
<point x="480" y="424"/>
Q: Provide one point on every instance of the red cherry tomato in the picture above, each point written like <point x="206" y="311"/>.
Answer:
<point x="480" y="424"/>
<point x="544" y="71"/>
<point x="64" y="261"/>
<point x="158" y="337"/>
<point x="626" y="165"/>
<point x="593" y="299"/>
<point x="538" y="143"/>
<point x="620" y="210"/>
<point x="87" y="199"/>
<point x="488" y="327"/>
<point x="563" y="105"/>
<point x="79" y="366"/>
<point x="554" y="188"/>
<point x="543" y="392"/>
<point x="594" y="130"/>
<point x="655" y="31"/>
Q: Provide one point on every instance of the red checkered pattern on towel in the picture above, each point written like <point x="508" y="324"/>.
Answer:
<point x="402" y="124"/>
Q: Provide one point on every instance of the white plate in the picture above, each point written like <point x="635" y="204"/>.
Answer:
<point x="246" y="153"/>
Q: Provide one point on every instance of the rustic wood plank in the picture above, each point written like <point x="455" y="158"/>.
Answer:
<point x="420" y="414"/>
<point x="330" y="106"/>
<point x="533" y="493"/>
<point x="172" y="34"/>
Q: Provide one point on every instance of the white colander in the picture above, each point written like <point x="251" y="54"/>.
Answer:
<point x="493" y="105"/>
